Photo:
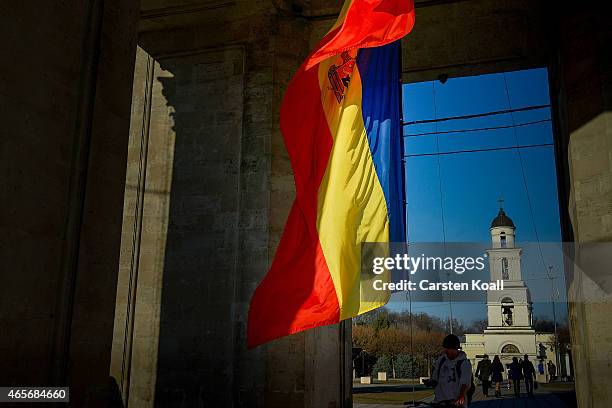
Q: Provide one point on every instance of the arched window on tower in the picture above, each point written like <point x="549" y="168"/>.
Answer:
<point x="505" y="274"/>
<point x="507" y="311"/>
<point x="502" y="240"/>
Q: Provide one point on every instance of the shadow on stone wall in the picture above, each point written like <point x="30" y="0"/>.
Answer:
<point x="199" y="322"/>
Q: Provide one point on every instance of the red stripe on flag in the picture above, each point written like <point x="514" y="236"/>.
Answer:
<point x="298" y="292"/>
<point x="368" y="23"/>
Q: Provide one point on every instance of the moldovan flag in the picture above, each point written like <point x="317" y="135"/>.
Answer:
<point x="340" y="123"/>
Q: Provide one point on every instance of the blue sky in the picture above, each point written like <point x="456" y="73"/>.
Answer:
<point x="465" y="187"/>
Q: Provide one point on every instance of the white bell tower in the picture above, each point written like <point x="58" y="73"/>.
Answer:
<point x="510" y="309"/>
<point x="509" y="331"/>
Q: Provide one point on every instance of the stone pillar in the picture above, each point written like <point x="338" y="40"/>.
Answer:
<point x="65" y="90"/>
<point x="143" y="240"/>
<point x="217" y="190"/>
<point x="583" y="97"/>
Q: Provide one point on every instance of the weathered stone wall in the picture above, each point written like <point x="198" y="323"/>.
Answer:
<point x="144" y="236"/>
<point x="219" y="187"/>
<point x="65" y="87"/>
<point x="584" y="96"/>
<point x="474" y="37"/>
<point x="204" y="94"/>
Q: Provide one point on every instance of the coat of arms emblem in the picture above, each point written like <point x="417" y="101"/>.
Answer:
<point x="340" y="75"/>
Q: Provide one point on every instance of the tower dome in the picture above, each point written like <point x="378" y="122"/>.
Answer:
<point x="502" y="220"/>
<point x="502" y="230"/>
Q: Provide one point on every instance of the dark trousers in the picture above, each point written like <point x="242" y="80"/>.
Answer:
<point x="517" y="387"/>
<point x="529" y="385"/>
<point x="485" y="386"/>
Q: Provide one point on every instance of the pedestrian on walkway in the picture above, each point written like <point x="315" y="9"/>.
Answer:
<point x="508" y="375"/>
<point x="497" y="368"/>
<point x="541" y="367"/>
<point x="483" y="372"/>
<point x="452" y="375"/>
<point x="552" y="370"/>
<point x="529" y="374"/>
<point x="515" y="376"/>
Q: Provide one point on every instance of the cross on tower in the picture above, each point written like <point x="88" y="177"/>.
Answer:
<point x="501" y="202"/>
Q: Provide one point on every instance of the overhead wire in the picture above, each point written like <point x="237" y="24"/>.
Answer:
<point x="475" y="115"/>
<point x="435" y="107"/>
<point x="491" y="149"/>
<point x="520" y="157"/>
<point x="443" y="132"/>
<point x="439" y="153"/>
<point x="517" y="147"/>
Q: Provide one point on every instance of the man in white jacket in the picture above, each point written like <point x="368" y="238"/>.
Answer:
<point x="452" y="375"/>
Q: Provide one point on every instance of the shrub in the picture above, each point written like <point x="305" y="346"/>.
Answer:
<point x="383" y="364"/>
<point x="406" y="366"/>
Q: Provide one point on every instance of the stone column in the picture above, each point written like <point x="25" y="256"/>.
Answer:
<point x="217" y="192"/>
<point x="582" y="93"/>
<point x="65" y="90"/>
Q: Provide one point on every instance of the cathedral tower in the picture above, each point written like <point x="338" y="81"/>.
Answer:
<point x="512" y="308"/>
<point x="509" y="331"/>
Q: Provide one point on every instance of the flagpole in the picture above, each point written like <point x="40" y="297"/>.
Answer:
<point x="404" y="201"/>
<point x="403" y="159"/>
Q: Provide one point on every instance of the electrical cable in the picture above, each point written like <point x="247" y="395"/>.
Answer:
<point x="478" y="129"/>
<point x="492" y="149"/>
<point x="450" y="300"/>
<point x="476" y="115"/>
<point x="520" y="157"/>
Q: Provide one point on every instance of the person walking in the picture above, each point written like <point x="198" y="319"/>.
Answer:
<point x="497" y="368"/>
<point x="452" y="375"/>
<point x="530" y="374"/>
<point x="508" y="375"/>
<point x="515" y="376"/>
<point x="552" y="370"/>
<point x="541" y="367"/>
<point x="483" y="372"/>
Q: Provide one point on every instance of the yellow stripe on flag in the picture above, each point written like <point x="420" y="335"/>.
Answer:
<point x="351" y="203"/>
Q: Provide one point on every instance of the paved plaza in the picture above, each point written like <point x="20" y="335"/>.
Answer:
<point x="548" y="397"/>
